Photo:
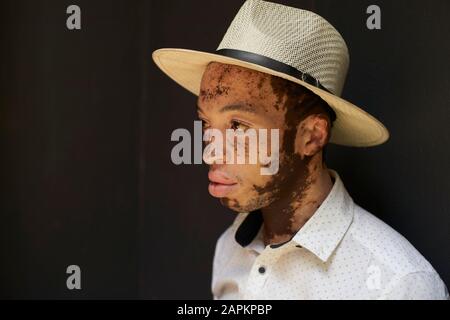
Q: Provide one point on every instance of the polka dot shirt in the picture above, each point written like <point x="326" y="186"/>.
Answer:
<point x="342" y="252"/>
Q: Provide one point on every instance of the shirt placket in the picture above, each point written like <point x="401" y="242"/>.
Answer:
<point x="262" y="270"/>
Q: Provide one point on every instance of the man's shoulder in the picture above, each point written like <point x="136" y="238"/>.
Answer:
<point x="408" y="273"/>
<point x="386" y="245"/>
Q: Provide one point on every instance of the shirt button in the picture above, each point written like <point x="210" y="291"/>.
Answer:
<point x="262" y="270"/>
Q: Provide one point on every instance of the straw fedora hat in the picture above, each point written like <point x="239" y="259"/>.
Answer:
<point x="291" y="43"/>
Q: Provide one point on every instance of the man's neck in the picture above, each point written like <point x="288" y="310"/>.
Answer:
<point x="281" y="225"/>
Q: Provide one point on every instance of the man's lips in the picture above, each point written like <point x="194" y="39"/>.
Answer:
<point x="220" y="184"/>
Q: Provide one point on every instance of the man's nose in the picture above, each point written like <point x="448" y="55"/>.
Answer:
<point x="212" y="155"/>
<point x="214" y="151"/>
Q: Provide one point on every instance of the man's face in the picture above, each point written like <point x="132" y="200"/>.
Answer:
<point x="233" y="97"/>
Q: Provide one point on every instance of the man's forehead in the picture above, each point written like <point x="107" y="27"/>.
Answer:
<point x="216" y="71"/>
<point x="229" y="82"/>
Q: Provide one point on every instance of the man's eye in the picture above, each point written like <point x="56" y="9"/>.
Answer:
<point x="238" y="125"/>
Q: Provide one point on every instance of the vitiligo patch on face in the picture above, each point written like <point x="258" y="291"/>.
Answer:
<point x="272" y="102"/>
<point x="241" y="147"/>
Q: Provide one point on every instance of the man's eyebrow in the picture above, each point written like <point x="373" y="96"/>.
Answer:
<point x="238" y="106"/>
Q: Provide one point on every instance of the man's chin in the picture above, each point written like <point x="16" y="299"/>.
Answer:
<point x="231" y="204"/>
<point x="236" y="206"/>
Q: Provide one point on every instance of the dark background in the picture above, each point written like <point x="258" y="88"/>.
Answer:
<point x="86" y="118"/>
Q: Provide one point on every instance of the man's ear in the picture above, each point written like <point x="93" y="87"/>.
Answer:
<point x="312" y="135"/>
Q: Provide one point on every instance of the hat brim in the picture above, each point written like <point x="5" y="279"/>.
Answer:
<point x="352" y="127"/>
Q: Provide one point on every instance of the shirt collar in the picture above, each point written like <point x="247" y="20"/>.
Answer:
<point x="321" y="234"/>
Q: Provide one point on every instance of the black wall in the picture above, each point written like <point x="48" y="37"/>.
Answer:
<point x="86" y="118"/>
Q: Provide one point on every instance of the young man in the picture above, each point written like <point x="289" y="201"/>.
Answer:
<point x="298" y="234"/>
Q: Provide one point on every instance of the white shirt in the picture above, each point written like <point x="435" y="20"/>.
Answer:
<point x="342" y="252"/>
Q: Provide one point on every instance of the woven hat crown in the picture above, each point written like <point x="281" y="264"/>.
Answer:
<point x="296" y="37"/>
